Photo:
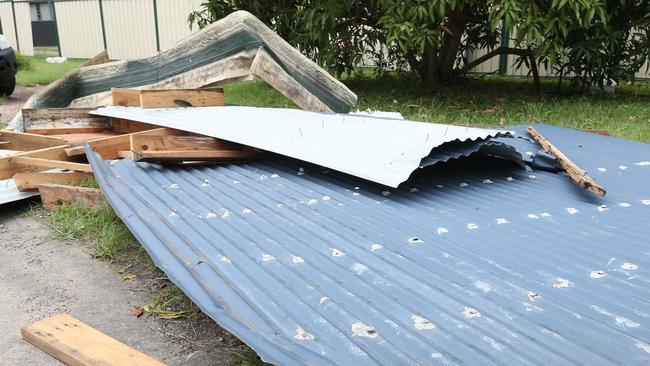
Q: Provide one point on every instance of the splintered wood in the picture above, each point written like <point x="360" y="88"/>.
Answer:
<point x="577" y="175"/>
<point x="78" y="344"/>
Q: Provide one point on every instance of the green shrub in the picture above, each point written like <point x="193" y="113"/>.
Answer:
<point x="23" y="62"/>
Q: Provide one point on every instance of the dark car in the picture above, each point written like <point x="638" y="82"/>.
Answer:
<point x="8" y="67"/>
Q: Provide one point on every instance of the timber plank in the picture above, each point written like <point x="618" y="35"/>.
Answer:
<point x="110" y="147"/>
<point x="78" y="344"/>
<point x="126" y="97"/>
<point x="49" y="164"/>
<point x="27" y="141"/>
<point x="184" y="155"/>
<point x="8" y="167"/>
<point x="65" y="130"/>
<point x="54" y="195"/>
<point x="146" y="142"/>
<point x="31" y="181"/>
<point x="175" y="98"/>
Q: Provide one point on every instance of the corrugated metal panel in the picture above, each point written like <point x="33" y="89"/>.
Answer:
<point x="8" y="190"/>
<point x="80" y="29"/>
<point x="474" y="262"/>
<point x="382" y="150"/>
<point x="172" y="20"/>
<point x="7" y="21"/>
<point x="24" y="22"/>
<point x="130" y="28"/>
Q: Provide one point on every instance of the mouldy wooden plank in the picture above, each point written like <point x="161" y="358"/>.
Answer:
<point x="184" y="155"/>
<point x="78" y="344"/>
<point x="66" y="130"/>
<point x="174" y="98"/>
<point x="27" y="141"/>
<point x="54" y="195"/>
<point x="49" y="164"/>
<point x="8" y="167"/>
<point x="61" y="118"/>
<point x="31" y="181"/>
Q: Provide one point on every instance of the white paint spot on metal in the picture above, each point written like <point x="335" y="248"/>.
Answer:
<point x="274" y="175"/>
<point x="421" y="323"/>
<point x="326" y="198"/>
<point x="602" y="208"/>
<point x="529" y="153"/>
<point x="301" y="171"/>
<point x="533" y="296"/>
<point x="533" y="216"/>
<point x="267" y="257"/>
<point x="358" y="268"/>
<point x="629" y="266"/>
<point x="360" y="329"/>
<point x="485" y="287"/>
<point x="206" y="183"/>
<point x="622" y="167"/>
<point x="172" y="214"/>
<point x="643" y="163"/>
<point x="572" y="210"/>
<point x="597" y="274"/>
<point x="297" y="260"/>
<point x="472" y="226"/>
<point x="414" y="190"/>
<point x="545" y="214"/>
<point x="264" y="177"/>
<point x="385" y="193"/>
<point x="487" y="181"/>
<point x="643" y="346"/>
<point x="602" y="169"/>
<point x="173" y="185"/>
<point x="210" y="214"/>
<point x="442" y="230"/>
<point x="337" y="253"/>
<point x="494" y="344"/>
<point x="356" y="194"/>
<point x="415" y="240"/>
<point x="312" y="202"/>
<point x="646" y="202"/>
<point x="621" y="321"/>
<point x="532" y="176"/>
<point x="302" y="335"/>
<point x="463" y="185"/>
<point x="375" y="247"/>
<point x="502" y="221"/>
<point x="440" y="186"/>
<point x="562" y="282"/>
<point x="279" y="205"/>
<point x="246" y="211"/>
<point x="225" y="214"/>
<point x="471" y="313"/>
<point x="624" y="204"/>
<point x="510" y="179"/>
<point x="531" y="307"/>
<point x="324" y="299"/>
<point x="224" y="259"/>
<point x="236" y="182"/>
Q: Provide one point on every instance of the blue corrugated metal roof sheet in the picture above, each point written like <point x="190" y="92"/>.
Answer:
<point x="469" y="263"/>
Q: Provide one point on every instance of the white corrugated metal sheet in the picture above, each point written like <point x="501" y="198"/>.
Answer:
<point x="24" y="22"/>
<point x="382" y="150"/>
<point x="130" y="28"/>
<point x="8" y="190"/>
<point x="80" y="30"/>
<point x="172" y="20"/>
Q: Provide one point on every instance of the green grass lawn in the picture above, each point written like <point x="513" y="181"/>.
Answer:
<point x="485" y="101"/>
<point x="43" y="73"/>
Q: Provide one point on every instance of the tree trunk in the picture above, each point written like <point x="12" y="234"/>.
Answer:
<point x="448" y="53"/>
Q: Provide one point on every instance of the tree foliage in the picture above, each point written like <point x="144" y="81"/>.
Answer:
<point x="593" y="40"/>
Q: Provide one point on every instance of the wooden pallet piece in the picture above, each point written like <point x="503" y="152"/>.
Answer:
<point x="147" y="142"/>
<point x="77" y="344"/>
<point x="27" y="141"/>
<point x="55" y="195"/>
<point x="8" y="166"/>
<point x="126" y="97"/>
<point x="110" y="147"/>
<point x="175" y="98"/>
<point x="575" y="173"/>
<point x="39" y="163"/>
<point x="31" y="181"/>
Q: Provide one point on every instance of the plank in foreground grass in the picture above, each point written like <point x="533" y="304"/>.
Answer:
<point x="78" y="344"/>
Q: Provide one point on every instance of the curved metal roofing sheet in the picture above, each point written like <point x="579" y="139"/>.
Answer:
<point x="382" y="150"/>
<point x="473" y="262"/>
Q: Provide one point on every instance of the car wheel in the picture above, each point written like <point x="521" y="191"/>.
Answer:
<point x="8" y="89"/>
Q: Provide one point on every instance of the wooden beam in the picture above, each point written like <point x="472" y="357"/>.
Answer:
<point x="128" y="126"/>
<point x="75" y="151"/>
<point x="577" y="175"/>
<point x="174" y="98"/>
<point x="187" y="155"/>
<point x="27" y="141"/>
<point x="8" y="167"/>
<point x="146" y="142"/>
<point x="55" y="195"/>
<point x="77" y="344"/>
<point x="110" y="147"/>
<point x="31" y="181"/>
<point x="126" y="97"/>
<point x="66" y="130"/>
<point x="49" y="164"/>
<point x="62" y="118"/>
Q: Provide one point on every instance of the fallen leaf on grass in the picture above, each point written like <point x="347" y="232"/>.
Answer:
<point x="137" y="310"/>
<point x="164" y="314"/>
<point x="129" y="277"/>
